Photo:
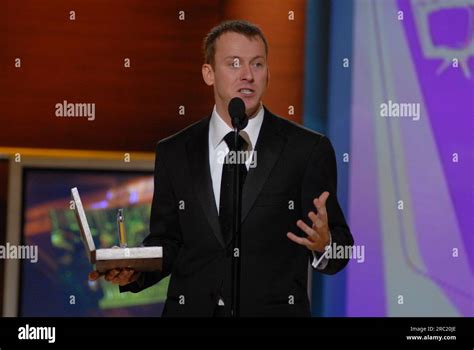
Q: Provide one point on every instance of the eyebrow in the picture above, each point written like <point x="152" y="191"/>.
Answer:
<point x="234" y="57"/>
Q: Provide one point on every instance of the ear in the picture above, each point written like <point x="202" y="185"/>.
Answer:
<point x="268" y="76"/>
<point x="208" y="74"/>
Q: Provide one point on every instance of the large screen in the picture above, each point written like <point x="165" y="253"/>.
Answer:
<point x="56" y="284"/>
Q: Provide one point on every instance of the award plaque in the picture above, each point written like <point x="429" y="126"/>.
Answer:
<point x="139" y="258"/>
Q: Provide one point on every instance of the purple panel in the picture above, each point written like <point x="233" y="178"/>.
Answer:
<point x="449" y="100"/>
<point x="366" y="295"/>
<point x="448" y="28"/>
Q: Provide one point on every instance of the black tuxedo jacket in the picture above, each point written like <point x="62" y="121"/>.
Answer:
<point x="294" y="165"/>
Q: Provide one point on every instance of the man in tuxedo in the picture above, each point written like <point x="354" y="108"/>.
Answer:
<point x="290" y="212"/>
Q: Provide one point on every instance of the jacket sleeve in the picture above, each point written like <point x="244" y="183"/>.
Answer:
<point x="321" y="175"/>
<point x="164" y="225"/>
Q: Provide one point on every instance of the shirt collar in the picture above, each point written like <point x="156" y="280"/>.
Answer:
<point x="218" y="128"/>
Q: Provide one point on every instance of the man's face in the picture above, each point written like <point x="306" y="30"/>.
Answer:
<point x="240" y="70"/>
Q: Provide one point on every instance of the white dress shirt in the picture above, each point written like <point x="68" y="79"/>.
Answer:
<point x="218" y="148"/>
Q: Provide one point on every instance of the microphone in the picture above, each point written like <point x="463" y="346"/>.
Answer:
<point x="237" y="113"/>
<point x="240" y="120"/>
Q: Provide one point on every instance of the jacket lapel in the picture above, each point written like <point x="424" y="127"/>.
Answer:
<point x="269" y="146"/>
<point x="198" y="157"/>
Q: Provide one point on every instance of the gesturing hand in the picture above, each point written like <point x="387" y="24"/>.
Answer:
<point x="318" y="234"/>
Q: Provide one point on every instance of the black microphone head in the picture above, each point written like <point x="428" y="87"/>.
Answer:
<point x="237" y="113"/>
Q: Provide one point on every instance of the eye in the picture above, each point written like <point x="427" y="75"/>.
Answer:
<point x="235" y="63"/>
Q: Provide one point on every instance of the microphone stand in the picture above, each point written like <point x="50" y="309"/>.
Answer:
<point x="236" y="230"/>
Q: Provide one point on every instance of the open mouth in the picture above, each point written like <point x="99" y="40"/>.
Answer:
<point x="246" y="92"/>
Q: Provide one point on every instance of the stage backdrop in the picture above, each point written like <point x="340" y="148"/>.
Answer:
<point x="401" y="116"/>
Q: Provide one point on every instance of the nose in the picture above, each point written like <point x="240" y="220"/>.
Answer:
<point x="246" y="72"/>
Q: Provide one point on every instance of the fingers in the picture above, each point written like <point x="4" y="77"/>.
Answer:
<point x="320" y="204"/>
<point x="116" y="276"/>
<point x="312" y="234"/>
<point x="323" y="197"/>
<point x="123" y="276"/>
<point x="300" y="240"/>
<point x="127" y="276"/>
<point x="315" y="240"/>
<point x="94" y="275"/>
<point x="316" y="220"/>
<point x="318" y="233"/>
<point x="110" y="275"/>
